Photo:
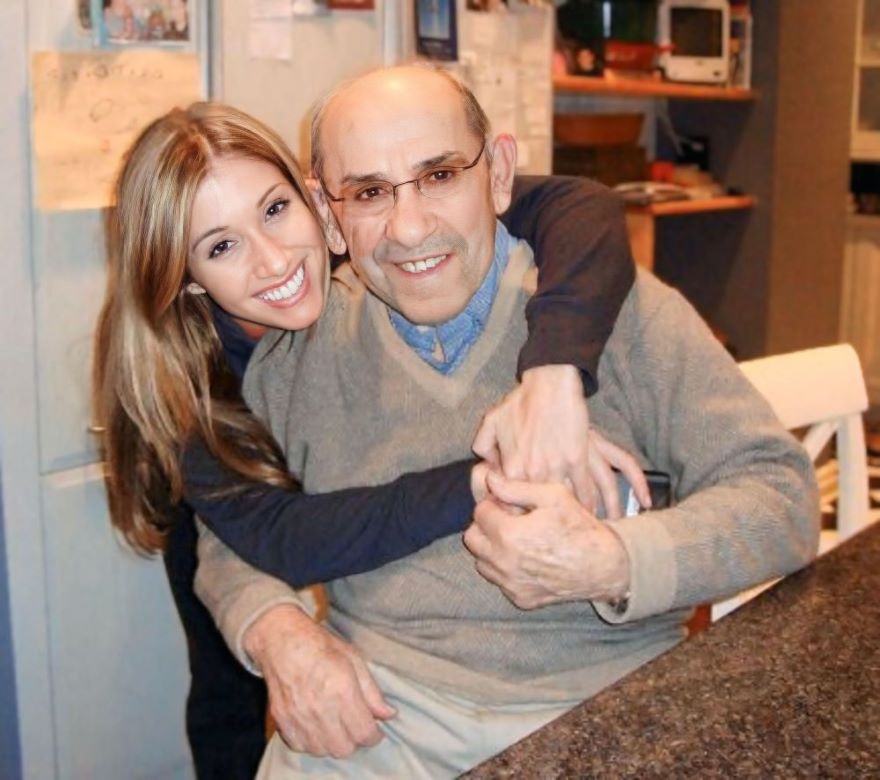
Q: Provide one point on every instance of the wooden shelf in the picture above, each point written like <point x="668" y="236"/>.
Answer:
<point x="676" y="207"/>
<point x="640" y="88"/>
<point x="863" y="220"/>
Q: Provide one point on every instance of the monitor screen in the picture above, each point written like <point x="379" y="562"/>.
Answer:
<point x="696" y="32"/>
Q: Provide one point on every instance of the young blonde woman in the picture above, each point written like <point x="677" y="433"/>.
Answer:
<point x="213" y="239"/>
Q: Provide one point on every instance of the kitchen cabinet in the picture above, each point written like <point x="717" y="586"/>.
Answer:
<point x="860" y="293"/>
<point x="865" y="142"/>
<point x="860" y="310"/>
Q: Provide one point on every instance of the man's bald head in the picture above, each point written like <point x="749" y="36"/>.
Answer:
<point x="398" y="77"/>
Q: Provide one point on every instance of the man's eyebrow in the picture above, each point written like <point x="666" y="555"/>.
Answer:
<point x="452" y="155"/>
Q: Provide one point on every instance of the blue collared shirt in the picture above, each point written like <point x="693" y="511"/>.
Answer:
<point x="455" y="337"/>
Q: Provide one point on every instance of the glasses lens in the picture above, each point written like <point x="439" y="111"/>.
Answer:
<point x="372" y="198"/>
<point x="378" y="197"/>
<point x="441" y="182"/>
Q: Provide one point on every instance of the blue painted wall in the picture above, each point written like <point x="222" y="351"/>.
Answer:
<point x="10" y="759"/>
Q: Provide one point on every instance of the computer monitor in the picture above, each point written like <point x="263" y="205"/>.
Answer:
<point x="694" y="36"/>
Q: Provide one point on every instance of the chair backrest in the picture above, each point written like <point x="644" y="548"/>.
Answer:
<point x="822" y="390"/>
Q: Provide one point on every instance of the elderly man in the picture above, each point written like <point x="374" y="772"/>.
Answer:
<point x="566" y="603"/>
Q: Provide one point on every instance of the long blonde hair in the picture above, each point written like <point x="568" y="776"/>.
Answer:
<point x="160" y="379"/>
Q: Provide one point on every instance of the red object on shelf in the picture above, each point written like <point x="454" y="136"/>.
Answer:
<point x="661" y="170"/>
<point x="623" y="55"/>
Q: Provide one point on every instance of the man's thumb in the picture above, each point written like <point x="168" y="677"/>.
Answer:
<point x="373" y="696"/>
<point x="514" y="492"/>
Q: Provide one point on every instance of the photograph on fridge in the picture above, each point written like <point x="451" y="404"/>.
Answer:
<point x="138" y="21"/>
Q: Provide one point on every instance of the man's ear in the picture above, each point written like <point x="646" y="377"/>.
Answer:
<point x="502" y="170"/>
<point x="332" y="233"/>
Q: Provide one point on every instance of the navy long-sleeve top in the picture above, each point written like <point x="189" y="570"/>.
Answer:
<point x="585" y="271"/>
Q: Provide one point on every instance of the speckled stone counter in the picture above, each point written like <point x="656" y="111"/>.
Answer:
<point x="786" y="686"/>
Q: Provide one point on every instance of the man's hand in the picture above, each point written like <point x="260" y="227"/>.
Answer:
<point x="538" y="431"/>
<point x="322" y="696"/>
<point x="557" y="551"/>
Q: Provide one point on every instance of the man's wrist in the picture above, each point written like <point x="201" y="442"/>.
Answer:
<point x="620" y="580"/>
<point x="281" y="618"/>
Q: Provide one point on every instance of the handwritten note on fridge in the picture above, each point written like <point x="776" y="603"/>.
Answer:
<point x="89" y="106"/>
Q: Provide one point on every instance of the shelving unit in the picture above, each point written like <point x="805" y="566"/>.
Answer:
<point x="648" y="88"/>
<point x="753" y="273"/>
<point x="641" y="219"/>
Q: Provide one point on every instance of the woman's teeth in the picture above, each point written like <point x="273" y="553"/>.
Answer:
<point x="286" y="290"/>
<point x="416" y="267"/>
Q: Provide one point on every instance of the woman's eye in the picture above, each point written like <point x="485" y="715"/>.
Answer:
<point x="277" y="207"/>
<point x="219" y="248"/>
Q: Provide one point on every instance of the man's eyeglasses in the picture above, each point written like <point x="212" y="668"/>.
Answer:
<point x="374" y="198"/>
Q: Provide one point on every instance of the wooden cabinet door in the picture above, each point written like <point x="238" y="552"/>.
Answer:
<point x="860" y="307"/>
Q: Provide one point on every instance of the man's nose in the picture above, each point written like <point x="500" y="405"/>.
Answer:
<point x="270" y="257"/>
<point x="411" y="220"/>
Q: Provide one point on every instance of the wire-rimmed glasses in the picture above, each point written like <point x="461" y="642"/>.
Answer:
<point x="374" y="198"/>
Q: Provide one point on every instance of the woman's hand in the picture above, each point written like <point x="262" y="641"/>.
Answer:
<point x="604" y="457"/>
<point x="540" y="431"/>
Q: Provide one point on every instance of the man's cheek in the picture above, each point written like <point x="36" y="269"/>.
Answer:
<point x="362" y="240"/>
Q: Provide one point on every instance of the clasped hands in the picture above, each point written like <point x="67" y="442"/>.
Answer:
<point x="534" y="535"/>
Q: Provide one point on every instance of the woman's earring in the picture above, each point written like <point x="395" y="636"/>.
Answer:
<point x="194" y="288"/>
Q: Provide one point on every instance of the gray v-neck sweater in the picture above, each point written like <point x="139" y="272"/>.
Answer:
<point x="354" y="405"/>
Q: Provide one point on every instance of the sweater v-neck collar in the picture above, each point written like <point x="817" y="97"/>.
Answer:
<point x="445" y="346"/>
<point x="450" y="389"/>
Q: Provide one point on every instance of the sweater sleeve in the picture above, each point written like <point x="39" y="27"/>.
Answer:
<point x="585" y="269"/>
<point x="237" y="594"/>
<point x="747" y="508"/>
<point x="309" y="538"/>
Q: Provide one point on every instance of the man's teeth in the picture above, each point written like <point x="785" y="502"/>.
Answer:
<point x="286" y="290"/>
<point x="416" y="267"/>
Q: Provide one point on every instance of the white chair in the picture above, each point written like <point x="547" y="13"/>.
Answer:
<point x="822" y="390"/>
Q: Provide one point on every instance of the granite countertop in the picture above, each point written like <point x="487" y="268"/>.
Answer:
<point x="786" y="686"/>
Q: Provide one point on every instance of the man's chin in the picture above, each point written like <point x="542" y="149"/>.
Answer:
<point x="430" y="313"/>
